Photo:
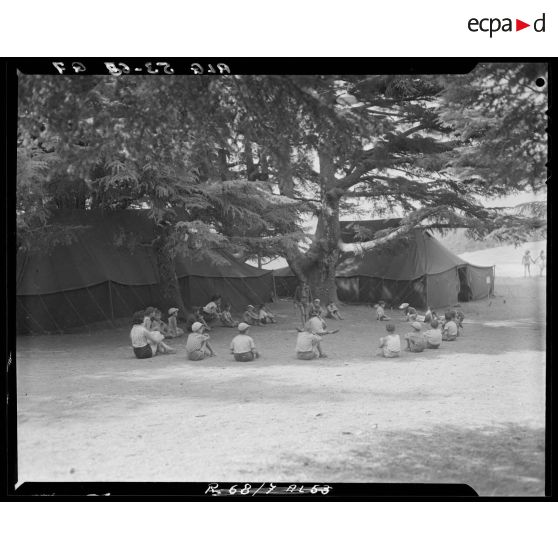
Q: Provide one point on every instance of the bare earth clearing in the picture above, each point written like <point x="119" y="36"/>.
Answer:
<point x="472" y="412"/>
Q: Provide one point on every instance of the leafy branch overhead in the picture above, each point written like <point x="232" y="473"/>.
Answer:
<point x="244" y="161"/>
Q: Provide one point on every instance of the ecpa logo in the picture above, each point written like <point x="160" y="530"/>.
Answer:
<point x="494" y="24"/>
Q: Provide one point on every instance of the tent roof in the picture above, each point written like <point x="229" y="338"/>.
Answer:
<point x="284" y="272"/>
<point x="97" y="256"/>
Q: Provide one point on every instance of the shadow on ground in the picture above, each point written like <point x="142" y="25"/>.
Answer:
<point x="507" y="460"/>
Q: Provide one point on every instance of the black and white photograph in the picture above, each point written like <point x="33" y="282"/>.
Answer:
<point x="288" y="279"/>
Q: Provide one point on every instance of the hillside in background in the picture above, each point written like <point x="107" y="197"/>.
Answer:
<point x="507" y="259"/>
<point x="457" y="241"/>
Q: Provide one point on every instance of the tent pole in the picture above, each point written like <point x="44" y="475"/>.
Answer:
<point x="31" y="316"/>
<point x="75" y="310"/>
<point x="50" y="315"/>
<point x="99" y="307"/>
<point x="110" y="300"/>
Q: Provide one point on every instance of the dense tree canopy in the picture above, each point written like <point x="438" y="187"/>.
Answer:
<point x="241" y="161"/>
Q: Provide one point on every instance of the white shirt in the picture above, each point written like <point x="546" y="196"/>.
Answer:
<point x="210" y="308"/>
<point x="316" y="324"/>
<point x="392" y="343"/>
<point x="242" y="343"/>
<point x="306" y="341"/>
<point x="433" y="336"/>
<point x="451" y="328"/>
<point x="139" y="336"/>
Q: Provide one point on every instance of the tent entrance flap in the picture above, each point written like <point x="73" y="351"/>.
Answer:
<point x="465" y="293"/>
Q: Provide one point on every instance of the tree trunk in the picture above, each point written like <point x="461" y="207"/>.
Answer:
<point x="169" y="290"/>
<point x="321" y="260"/>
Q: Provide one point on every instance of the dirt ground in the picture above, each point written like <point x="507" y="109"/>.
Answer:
<point x="472" y="412"/>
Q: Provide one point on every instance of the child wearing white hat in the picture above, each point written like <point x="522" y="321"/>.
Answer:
<point x="243" y="347"/>
<point x="172" y="329"/>
<point x="197" y="343"/>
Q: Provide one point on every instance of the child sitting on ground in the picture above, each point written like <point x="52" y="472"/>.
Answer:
<point x="265" y="315"/>
<point x="390" y="345"/>
<point x="243" y="347"/>
<point x="409" y="313"/>
<point x="429" y="315"/>
<point x="172" y="329"/>
<point x="433" y="336"/>
<point x="333" y="312"/>
<point x="148" y="314"/>
<point x="449" y="331"/>
<point x="145" y="343"/>
<point x="226" y="317"/>
<point x="197" y="343"/>
<point x="380" y="311"/>
<point x="458" y="318"/>
<point x="416" y="342"/>
<point x="157" y="323"/>
<point x="250" y="316"/>
<point x="308" y="345"/>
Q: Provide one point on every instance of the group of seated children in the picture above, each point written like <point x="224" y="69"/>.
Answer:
<point x="417" y="340"/>
<point x="242" y="346"/>
<point x="258" y="315"/>
<point x="148" y="334"/>
<point x="214" y="310"/>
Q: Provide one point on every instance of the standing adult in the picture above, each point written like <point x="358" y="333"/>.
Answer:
<point x="302" y="300"/>
<point x="526" y="261"/>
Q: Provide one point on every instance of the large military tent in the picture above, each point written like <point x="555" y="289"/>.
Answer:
<point x="420" y="271"/>
<point x="110" y="271"/>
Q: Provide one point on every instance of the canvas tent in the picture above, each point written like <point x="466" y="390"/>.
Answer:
<point x="110" y="271"/>
<point x="285" y="281"/>
<point x="422" y="272"/>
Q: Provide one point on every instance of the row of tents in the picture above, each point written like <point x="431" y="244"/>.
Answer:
<point x="110" y="271"/>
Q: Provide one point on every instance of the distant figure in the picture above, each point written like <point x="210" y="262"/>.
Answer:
<point x="416" y="342"/>
<point x="302" y="300"/>
<point x="145" y="343"/>
<point x="381" y="311"/>
<point x="449" y="331"/>
<point x="197" y="344"/>
<point x="173" y="330"/>
<point x="243" y="347"/>
<point x="433" y="336"/>
<point x="390" y="345"/>
<point x="308" y="345"/>
<point x="226" y="317"/>
<point x="542" y="262"/>
<point x="333" y="312"/>
<point x="526" y="261"/>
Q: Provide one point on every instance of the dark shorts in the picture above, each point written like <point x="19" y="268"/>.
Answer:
<point x="143" y="352"/>
<point x="244" y="357"/>
<point x="196" y="355"/>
